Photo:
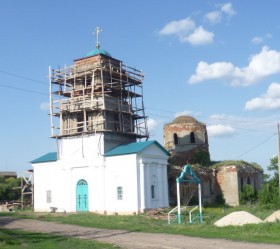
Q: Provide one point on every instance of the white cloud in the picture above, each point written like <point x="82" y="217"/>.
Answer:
<point x="152" y="125"/>
<point x="261" y="65"/>
<point x="213" y="17"/>
<point x="257" y="40"/>
<point x="44" y="106"/>
<point x="205" y="71"/>
<point x="220" y="130"/>
<point x="187" y="113"/>
<point x="268" y="101"/>
<point x="186" y="31"/>
<point x="179" y="28"/>
<point x="216" y="16"/>
<point x="199" y="37"/>
<point x="260" y="39"/>
<point x="228" y="9"/>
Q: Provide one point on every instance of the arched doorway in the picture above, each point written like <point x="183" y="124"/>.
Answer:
<point x="82" y="196"/>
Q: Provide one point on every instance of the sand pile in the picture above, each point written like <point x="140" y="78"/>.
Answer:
<point x="239" y="218"/>
<point x="274" y="217"/>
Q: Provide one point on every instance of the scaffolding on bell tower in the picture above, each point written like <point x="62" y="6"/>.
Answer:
<point x="97" y="94"/>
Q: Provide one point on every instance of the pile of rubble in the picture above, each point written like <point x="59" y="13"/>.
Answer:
<point x="157" y="213"/>
<point x="241" y="218"/>
<point x="273" y="217"/>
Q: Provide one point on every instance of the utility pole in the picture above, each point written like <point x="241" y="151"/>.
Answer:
<point x="278" y="140"/>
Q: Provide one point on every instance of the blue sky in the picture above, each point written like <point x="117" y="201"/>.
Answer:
<point x="218" y="61"/>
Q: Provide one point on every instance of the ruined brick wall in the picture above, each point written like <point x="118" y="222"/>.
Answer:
<point x="228" y="181"/>
<point x="209" y="187"/>
<point x="183" y="137"/>
<point x="232" y="180"/>
<point x="250" y="176"/>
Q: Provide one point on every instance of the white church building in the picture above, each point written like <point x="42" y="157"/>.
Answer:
<point x="104" y="161"/>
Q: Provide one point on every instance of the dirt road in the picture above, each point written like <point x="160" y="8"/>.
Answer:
<point x="125" y="239"/>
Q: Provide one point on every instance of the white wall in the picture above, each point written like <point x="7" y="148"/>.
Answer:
<point x="134" y="173"/>
<point x="121" y="171"/>
<point x="82" y="147"/>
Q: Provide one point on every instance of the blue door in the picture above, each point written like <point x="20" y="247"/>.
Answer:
<point x="82" y="196"/>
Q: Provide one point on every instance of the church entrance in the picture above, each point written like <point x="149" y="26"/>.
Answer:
<point x="82" y="196"/>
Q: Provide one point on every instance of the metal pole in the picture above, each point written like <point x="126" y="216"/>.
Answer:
<point x="200" y="205"/>
<point x="178" y="202"/>
<point x="278" y="140"/>
<point x="51" y="101"/>
<point x="21" y="191"/>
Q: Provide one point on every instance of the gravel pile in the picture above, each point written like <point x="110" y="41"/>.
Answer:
<point x="274" y="217"/>
<point x="239" y="218"/>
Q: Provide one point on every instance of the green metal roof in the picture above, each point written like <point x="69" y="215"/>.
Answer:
<point x="97" y="51"/>
<point x="50" y="157"/>
<point x="188" y="171"/>
<point x="134" y="148"/>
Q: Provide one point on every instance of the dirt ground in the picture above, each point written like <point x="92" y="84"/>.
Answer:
<point x="125" y="239"/>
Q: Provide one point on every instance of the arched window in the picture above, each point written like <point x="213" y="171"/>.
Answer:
<point x="175" y="137"/>
<point x="205" y="137"/>
<point x="248" y="180"/>
<point x="255" y="184"/>
<point x="241" y="183"/>
<point x="192" y="137"/>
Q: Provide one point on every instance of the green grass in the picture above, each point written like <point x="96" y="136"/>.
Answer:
<point x="261" y="233"/>
<point x="15" y="239"/>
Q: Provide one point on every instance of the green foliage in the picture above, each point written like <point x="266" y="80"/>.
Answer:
<point x="238" y="163"/>
<point x="9" y="189"/>
<point x="201" y="157"/>
<point x="269" y="194"/>
<point x="264" y="232"/>
<point x="248" y="195"/>
<point x="220" y="200"/>
<point x="15" y="239"/>
<point x="273" y="164"/>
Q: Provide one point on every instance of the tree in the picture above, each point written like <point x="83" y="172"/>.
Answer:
<point x="269" y="194"/>
<point x="274" y="167"/>
<point x="201" y="157"/>
<point x="9" y="190"/>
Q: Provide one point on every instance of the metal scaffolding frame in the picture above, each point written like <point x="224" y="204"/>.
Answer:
<point x="97" y="94"/>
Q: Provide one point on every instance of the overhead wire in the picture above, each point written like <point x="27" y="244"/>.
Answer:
<point x="23" y="89"/>
<point x="155" y="109"/>
<point x="256" y="146"/>
<point x="23" y="77"/>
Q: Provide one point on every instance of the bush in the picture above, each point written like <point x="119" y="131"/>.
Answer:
<point x="248" y="195"/>
<point x="9" y="189"/>
<point x="269" y="194"/>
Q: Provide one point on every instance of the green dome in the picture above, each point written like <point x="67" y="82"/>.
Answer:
<point x="97" y="51"/>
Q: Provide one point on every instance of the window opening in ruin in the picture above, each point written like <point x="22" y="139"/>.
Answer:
<point x="248" y="180"/>
<point x="175" y="137"/>
<point x="211" y="187"/>
<point x="192" y="137"/>
<point x="255" y="184"/>
<point x="242" y="183"/>
<point x="205" y="137"/>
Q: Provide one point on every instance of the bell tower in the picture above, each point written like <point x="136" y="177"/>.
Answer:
<point x="98" y="94"/>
